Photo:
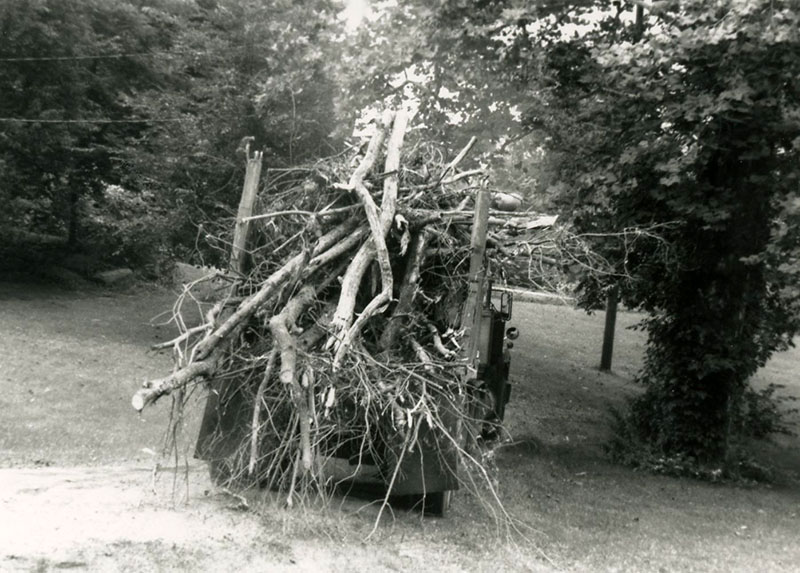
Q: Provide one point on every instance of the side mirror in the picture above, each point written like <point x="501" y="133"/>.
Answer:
<point x="512" y="333"/>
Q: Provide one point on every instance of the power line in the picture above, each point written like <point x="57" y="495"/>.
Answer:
<point x="160" y="53"/>
<point x="91" y="57"/>
<point x="100" y="120"/>
<point x="30" y="120"/>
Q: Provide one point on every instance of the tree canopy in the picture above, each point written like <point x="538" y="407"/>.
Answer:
<point x="678" y="151"/>
<point x="152" y="98"/>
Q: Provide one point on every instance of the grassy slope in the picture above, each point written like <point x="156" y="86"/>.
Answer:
<point x="69" y="363"/>
<point x="602" y="517"/>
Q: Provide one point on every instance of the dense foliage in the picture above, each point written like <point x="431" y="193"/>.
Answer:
<point x="121" y="120"/>
<point x="692" y="131"/>
<point x="61" y="107"/>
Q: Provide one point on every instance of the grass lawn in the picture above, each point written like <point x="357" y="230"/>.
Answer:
<point x="69" y="363"/>
<point x="598" y="516"/>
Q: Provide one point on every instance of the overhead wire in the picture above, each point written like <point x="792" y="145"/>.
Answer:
<point x="91" y="56"/>
<point x="34" y="120"/>
<point x="156" y="53"/>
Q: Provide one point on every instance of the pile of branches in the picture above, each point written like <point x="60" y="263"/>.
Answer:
<point x="340" y="326"/>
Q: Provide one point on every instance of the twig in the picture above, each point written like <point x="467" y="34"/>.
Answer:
<point x="182" y="337"/>
<point x="463" y="175"/>
<point x="456" y="160"/>
<point x="273" y="355"/>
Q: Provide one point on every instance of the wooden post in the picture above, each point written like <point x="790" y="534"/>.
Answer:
<point x="613" y="295"/>
<point x="215" y="415"/>
<point x="477" y="277"/>
<point x="471" y="318"/>
<point x="608" y="333"/>
<point x="241" y="231"/>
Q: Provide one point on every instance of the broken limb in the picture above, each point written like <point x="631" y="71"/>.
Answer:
<point x="379" y="227"/>
<point x="267" y="290"/>
<point x="262" y="387"/>
<point x="154" y="389"/>
<point x="408" y="290"/>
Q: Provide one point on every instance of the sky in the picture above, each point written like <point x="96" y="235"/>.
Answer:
<point x="355" y="11"/>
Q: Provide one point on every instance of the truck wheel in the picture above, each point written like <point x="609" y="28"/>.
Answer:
<point x="220" y="472"/>
<point x="437" y="503"/>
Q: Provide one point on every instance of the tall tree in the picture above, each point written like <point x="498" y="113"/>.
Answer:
<point x="65" y="102"/>
<point x="693" y="130"/>
<point x="241" y="68"/>
<point x="153" y="97"/>
<point x="686" y="126"/>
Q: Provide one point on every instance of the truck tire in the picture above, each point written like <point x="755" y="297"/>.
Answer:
<point x="220" y="472"/>
<point x="437" y="503"/>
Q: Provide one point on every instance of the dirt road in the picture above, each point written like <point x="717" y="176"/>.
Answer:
<point x="111" y="519"/>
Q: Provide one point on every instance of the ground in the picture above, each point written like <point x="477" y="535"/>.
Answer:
<point x="77" y="490"/>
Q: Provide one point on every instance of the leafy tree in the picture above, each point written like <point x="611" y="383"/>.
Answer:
<point x="154" y="97"/>
<point x="674" y="143"/>
<point x="693" y="130"/>
<point x="441" y="55"/>
<point x="56" y="84"/>
<point x="241" y="68"/>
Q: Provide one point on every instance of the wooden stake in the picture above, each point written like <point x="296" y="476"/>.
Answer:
<point x="241" y="231"/>
<point x="477" y="278"/>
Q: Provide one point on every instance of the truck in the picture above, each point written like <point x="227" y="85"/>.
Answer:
<point x="429" y="473"/>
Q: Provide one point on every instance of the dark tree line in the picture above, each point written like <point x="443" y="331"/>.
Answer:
<point x="121" y="120"/>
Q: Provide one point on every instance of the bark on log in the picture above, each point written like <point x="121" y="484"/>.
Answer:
<point x="281" y="326"/>
<point x="379" y="227"/>
<point x="334" y="252"/>
<point x="268" y="289"/>
<point x="408" y="290"/>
